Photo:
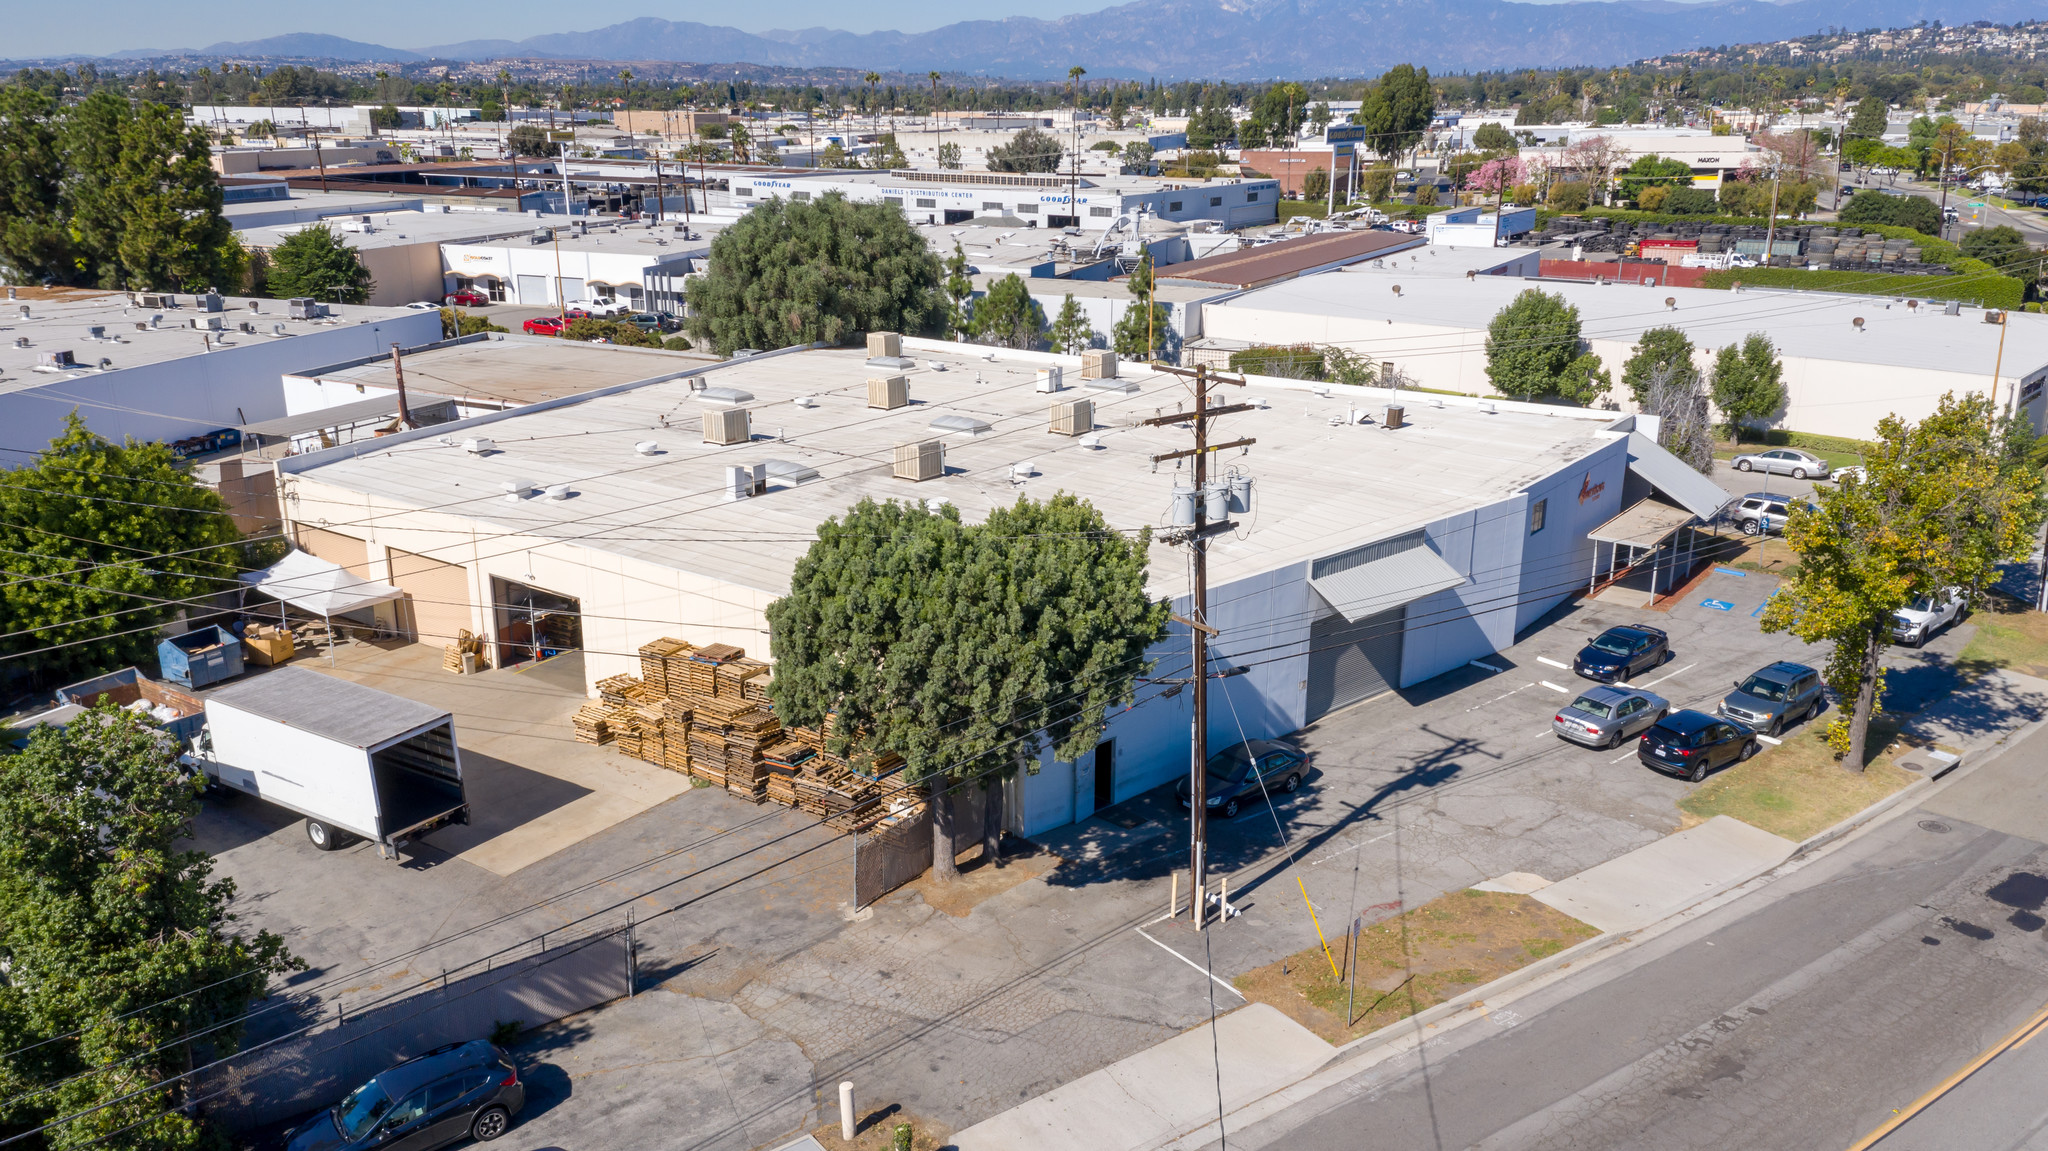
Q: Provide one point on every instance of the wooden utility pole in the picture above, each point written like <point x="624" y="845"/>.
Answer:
<point x="1199" y="628"/>
<point x="398" y="373"/>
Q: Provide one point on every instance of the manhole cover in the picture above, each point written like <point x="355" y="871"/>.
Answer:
<point x="1934" y="825"/>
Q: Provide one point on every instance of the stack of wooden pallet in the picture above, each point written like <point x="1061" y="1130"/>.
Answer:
<point x="451" y="654"/>
<point x="592" y="722"/>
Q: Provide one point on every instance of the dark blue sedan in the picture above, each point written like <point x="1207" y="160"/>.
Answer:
<point x="1619" y="654"/>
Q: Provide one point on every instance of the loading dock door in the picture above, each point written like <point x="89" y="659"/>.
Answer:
<point x="436" y="603"/>
<point x="1352" y="661"/>
<point x="348" y="552"/>
<point x="955" y="216"/>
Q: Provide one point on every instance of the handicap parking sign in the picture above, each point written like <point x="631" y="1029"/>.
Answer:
<point x="1717" y="604"/>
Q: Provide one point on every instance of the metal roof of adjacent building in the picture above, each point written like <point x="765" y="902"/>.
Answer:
<point x="1287" y="259"/>
<point x="1321" y="483"/>
<point x="513" y="369"/>
<point x="65" y="325"/>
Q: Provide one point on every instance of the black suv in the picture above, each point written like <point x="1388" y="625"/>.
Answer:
<point x="1693" y="743"/>
<point x="1618" y="654"/>
<point x="461" y="1091"/>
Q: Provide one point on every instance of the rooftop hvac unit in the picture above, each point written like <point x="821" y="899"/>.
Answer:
<point x="1397" y="416"/>
<point x="155" y="300"/>
<point x="881" y="344"/>
<point x="206" y="323"/>
<point x="1073" y="417"/>
<point x="208" y="301"/>
<point x="888" y="392"/>
<point x="727" y="426"/>
<point x="55" y="360"/>
<point x="1098" y="365"/>
<point x="301" y="308"/>
<point x="744" y="482"/>
<point x="1051" y="379"/>
<point x="478" y="445"/>
<point x="920" y="461"/>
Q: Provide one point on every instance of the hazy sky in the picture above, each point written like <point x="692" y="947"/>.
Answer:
<point x="104" y="26"/>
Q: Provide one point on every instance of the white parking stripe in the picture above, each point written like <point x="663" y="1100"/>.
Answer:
<point x="1769" y="740"/>
<point x="1680" y="671"/>
<point x="1554" y="687"/>
<point x="1630" y="755"/>
<point x="1553" y="663"/>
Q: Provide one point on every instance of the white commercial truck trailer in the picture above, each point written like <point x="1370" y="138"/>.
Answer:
<point x="358" y="763"/>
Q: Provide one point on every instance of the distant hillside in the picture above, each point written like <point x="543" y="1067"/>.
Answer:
<point x="1236" y="39"/>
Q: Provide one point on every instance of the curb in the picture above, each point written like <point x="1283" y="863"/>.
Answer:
<point x="1396" y="1038"/>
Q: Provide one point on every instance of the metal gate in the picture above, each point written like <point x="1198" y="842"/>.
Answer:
<point x="889" y="857"/>
<point x="1352" y="661"/>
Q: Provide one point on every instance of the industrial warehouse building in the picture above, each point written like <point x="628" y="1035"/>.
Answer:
<point x="1849" y="361"/>
<point x="1367" y="556"/>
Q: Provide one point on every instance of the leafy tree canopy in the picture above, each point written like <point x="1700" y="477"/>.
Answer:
<point x="1397" y="110"/>
<point x="1143" y="328"/>
<point x="97" y="539"/>
<point x="968" y="650"/>
<point x="315" y="262"/>
<point x="1893" y="211"/>
<point x="1868" y="121"/>
<point x="2004" y="248"/>
<point x="1532" y="350"/>
<point x="1658" y="349"/>
<point x="1007" y="316"/>
<point x="117" y="941"/>
<point x="803" y="271"/>
<point x="1491" y="137"/>
<point x="1071" y="333"/>
<point x="1030" y="150"/>
<point x="1748" y="383"/>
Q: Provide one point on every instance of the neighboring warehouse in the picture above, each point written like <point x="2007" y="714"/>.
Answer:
<point x="1369" y="556"/>
<point x="1029" y="200"/>
<point x="1848" y="360"/>
<point x="641" y="264"/>
<point x="171" y="367"/>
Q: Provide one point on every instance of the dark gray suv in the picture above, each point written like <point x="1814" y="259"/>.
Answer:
<point x="1774" y="698"/>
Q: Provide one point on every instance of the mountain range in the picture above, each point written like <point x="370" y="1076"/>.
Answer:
<point x="1230" y="39"/>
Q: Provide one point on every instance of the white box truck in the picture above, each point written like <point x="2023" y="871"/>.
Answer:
<point x="358" y="763"/>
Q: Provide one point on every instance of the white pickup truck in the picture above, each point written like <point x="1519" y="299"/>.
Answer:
<point x="358" y="763"/>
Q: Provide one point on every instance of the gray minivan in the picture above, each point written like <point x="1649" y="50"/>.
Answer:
<point x="1774" y="697"/>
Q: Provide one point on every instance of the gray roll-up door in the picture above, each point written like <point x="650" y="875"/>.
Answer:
<point x="1352" y="661"/>
<point x="533" y="290"/>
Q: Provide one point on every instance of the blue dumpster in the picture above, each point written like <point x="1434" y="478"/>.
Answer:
<point x="198" y="658"/>
<point x="126" y="686"/>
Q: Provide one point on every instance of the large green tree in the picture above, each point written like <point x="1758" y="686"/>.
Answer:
<point x="1944" y="502"/>
<point x="116" y="939"/>
<point x="1491" y="137"/>
<point x="314" y="262"/>
<point x="969" y="650"/>
<point x="1007" y="316"/>
<point x="803" y="271"/>
<point x="34" y="241"/>
<point x="2004" y="248"/>
<point x="1397" y="110"/>
<point x="1532" y="351"/>
<point x="1071" y="332"/>
<point x="1030" y="150"/>
<point x="99" y="539"/>
<point x="1868" y="121"/>
<point x="1656" y="349"/>
<point x="1748" y="383"/>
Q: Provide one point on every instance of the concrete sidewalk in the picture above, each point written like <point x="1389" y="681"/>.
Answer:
<point x="1668" y="876"/>
<point x="1158" y="1095"/>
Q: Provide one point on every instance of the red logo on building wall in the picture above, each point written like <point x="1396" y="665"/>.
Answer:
<point x="1588" y="490"/>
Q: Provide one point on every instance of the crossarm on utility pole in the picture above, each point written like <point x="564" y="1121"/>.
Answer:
<point x="1201" y="451"/>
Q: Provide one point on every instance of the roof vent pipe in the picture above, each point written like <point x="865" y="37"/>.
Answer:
<point x="647" y="447"/>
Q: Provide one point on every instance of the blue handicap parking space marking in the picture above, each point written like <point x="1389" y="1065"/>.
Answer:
<point x="1717" y="604"/>
<point x="1731" y="571"/>
<point x="1760" y="607"/>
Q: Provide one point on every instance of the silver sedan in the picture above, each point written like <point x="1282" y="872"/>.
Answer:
<point x="1784" y="462"/>
<point x="1608" y="715"/>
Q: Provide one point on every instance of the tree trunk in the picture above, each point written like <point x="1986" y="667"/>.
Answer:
<point x="943" y="868"/>
<point x="1866" y="704"/>
<point x="992" y="823"/>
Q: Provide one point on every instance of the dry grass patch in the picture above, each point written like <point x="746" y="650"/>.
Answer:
<point x="1768" y="554"/>
<point x="1413" y="961"/>
<point x="876" y="1131"/>
<point x="2009" y="635"/>
<point x="1798" y="789"/>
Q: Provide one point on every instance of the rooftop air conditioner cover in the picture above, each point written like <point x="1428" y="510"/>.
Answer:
<point x="727" y="426"/>
<point x="924" y="460"/>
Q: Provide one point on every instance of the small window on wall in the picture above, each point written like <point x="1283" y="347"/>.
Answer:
<point x="1251" y="197"/>
<point x="743" y="190"/>
<point x="925" y="202"/>
<point x="1536" y="513"/>
<point x="1215" y="201"/>
<point x="896" y="200"/>
<point x="1027" y="209"/>
<point x="1173" y="206"/>
<point x="799" y="195"/>
<point x="1099" y="211"/>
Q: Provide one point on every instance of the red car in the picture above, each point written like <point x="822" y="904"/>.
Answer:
<point x="543" y="326"/>
<point x="576" y="314"/>
<point x="465" y="300"/>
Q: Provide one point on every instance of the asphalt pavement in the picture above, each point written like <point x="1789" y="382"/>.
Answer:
<point x="1801" y="1016"/>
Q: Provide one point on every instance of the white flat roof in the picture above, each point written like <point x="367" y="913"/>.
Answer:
<point x="1809" y="325"/>
<point x="65" y="325"/>
<point x="1319" y="488"/>
<point x="401" y="228"/>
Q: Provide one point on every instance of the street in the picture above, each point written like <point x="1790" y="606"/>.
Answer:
<point x="1803" y="1015"/>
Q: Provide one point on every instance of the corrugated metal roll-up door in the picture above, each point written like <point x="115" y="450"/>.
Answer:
<point x="436" y="603"/>
<point x="1352" y="661"/>
<point x="348" y="551"/>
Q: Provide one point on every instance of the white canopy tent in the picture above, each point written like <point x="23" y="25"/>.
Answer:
<point x="314" y="585"/>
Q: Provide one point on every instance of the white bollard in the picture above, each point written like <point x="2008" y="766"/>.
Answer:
<point x="846" y="1111"/>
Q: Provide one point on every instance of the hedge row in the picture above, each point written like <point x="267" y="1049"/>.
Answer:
<point x="1979" y="286"/>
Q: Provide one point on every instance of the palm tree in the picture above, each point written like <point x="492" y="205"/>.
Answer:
<point x="874" y="117"/>
<point x="1074" y="75"/>
<point x="934" y="78"/>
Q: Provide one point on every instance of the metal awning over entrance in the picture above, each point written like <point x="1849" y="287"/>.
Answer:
<point x="1644" y="525"/>
<point x="1388" y="582"/>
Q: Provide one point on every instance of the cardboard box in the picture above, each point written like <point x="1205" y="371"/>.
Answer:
<point x="269" y="649"/>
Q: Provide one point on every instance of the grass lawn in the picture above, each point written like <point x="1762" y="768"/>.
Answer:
<point x="2009" y="636"/>
<point x="1798" y="789"/>
<point x="1769" y="554"/>
<point x="1413" y="961"/>
<point x="1837" y="451"/>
